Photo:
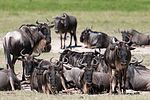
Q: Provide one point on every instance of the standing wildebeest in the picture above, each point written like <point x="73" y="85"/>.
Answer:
<point x="135" y="37"/>
<point x="95" y="39"/>
<point x="8" y="80"/>
<point x="64" y="24"/>
<point x="26" y="38"/>
<point x="117" y="57"/>
<point x="138" y="77"/>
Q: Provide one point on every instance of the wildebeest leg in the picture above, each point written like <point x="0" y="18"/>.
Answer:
<point x="61" y="40"/>
<point x="124" y="80"/>
<point x="23" y="76"/>
<point x="13" y="63"/>
<point x="70" y="39"/>
<point x="64" y="40"/>
<point x="111" y="79"/>
<point x="112" y="82"/>
<point x="43" y="88"/>
<point x="75" y="38"/>
<point x="63" y="83"/>
<point x="85" y="90"/>
<point x="11" y="82"/>
<point x="50" y="89"/>
<point x="120" y="82"/>
<point x="7" y="55"/>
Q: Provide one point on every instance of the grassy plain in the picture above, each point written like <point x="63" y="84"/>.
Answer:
<point x="104" y="15"/>
<point x="75" y="5"/>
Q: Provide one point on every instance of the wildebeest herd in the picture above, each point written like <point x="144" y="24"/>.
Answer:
<point x="86" y="72"/>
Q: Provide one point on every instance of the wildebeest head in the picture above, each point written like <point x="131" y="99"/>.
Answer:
<point x="126" y="36"/>
<point x="45" y="30"/>
<point x="50" y="77"/>
<point x="61" y="23"/>
<point x="85" y="35"/>
<point x="29" y="63"/>
<point x="123" y="52"/>
<point x="58" y="24"/>
<point x="87" y="79"/>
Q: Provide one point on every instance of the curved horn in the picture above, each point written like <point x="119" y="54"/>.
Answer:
<point x="67" y="66"/>
<point x="22" y="25"/>
<point x="92" y="63"/>
<point x="37" y="22"/>
<point x="51" y="59"/>
<point x="138" y="62"/>
<point x="134" y="60"/>
<point x="48" y="21"/>
<point x="82" y="64"/>
<point x="37" y="54"/>
<point x="64" y="16"/>
<point x="91" y="26"/>
<point x="22" y="53"/>
<point x="63" y="60"/>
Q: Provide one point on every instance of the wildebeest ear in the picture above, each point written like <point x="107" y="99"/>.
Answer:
<point x="131" y="48"/>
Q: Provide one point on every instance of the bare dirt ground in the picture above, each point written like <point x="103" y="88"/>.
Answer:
<point x="81" y="47"/>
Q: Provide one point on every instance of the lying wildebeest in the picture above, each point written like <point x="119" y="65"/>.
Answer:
<point x="74" y="57"/>
<point x="64" y="24"/>
<point x="27" y="38"/>
<point x="94" y="39"/>
<point x="42" y="74"/>
<point x="70" y="76"/>
<point x="117" y="57"/>
<point x="135" y="37"/>
<point x="138" y="77"/>
<point x="93" y="81"/>
<point x="8" y="80"/>
<point x="29" y="63"/>
<point x="99" y="82"/>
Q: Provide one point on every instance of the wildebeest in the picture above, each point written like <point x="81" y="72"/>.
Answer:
<point x="138" y="77"/>
<point x="135" y="37"/>
<point x="64" y="24"/>
<point x="94" y="81"/>
<point x="26" y="38"/>
<point x="70" y="76"/>
<point x="117" y="57"/>
<point x="42" y="74"/>
<point x="29" y="63"/>
<point x="99" y="82"/>
<point x="75" y="57"/>
<point x="94" y="39"/>
<point x="8" y="80"/>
